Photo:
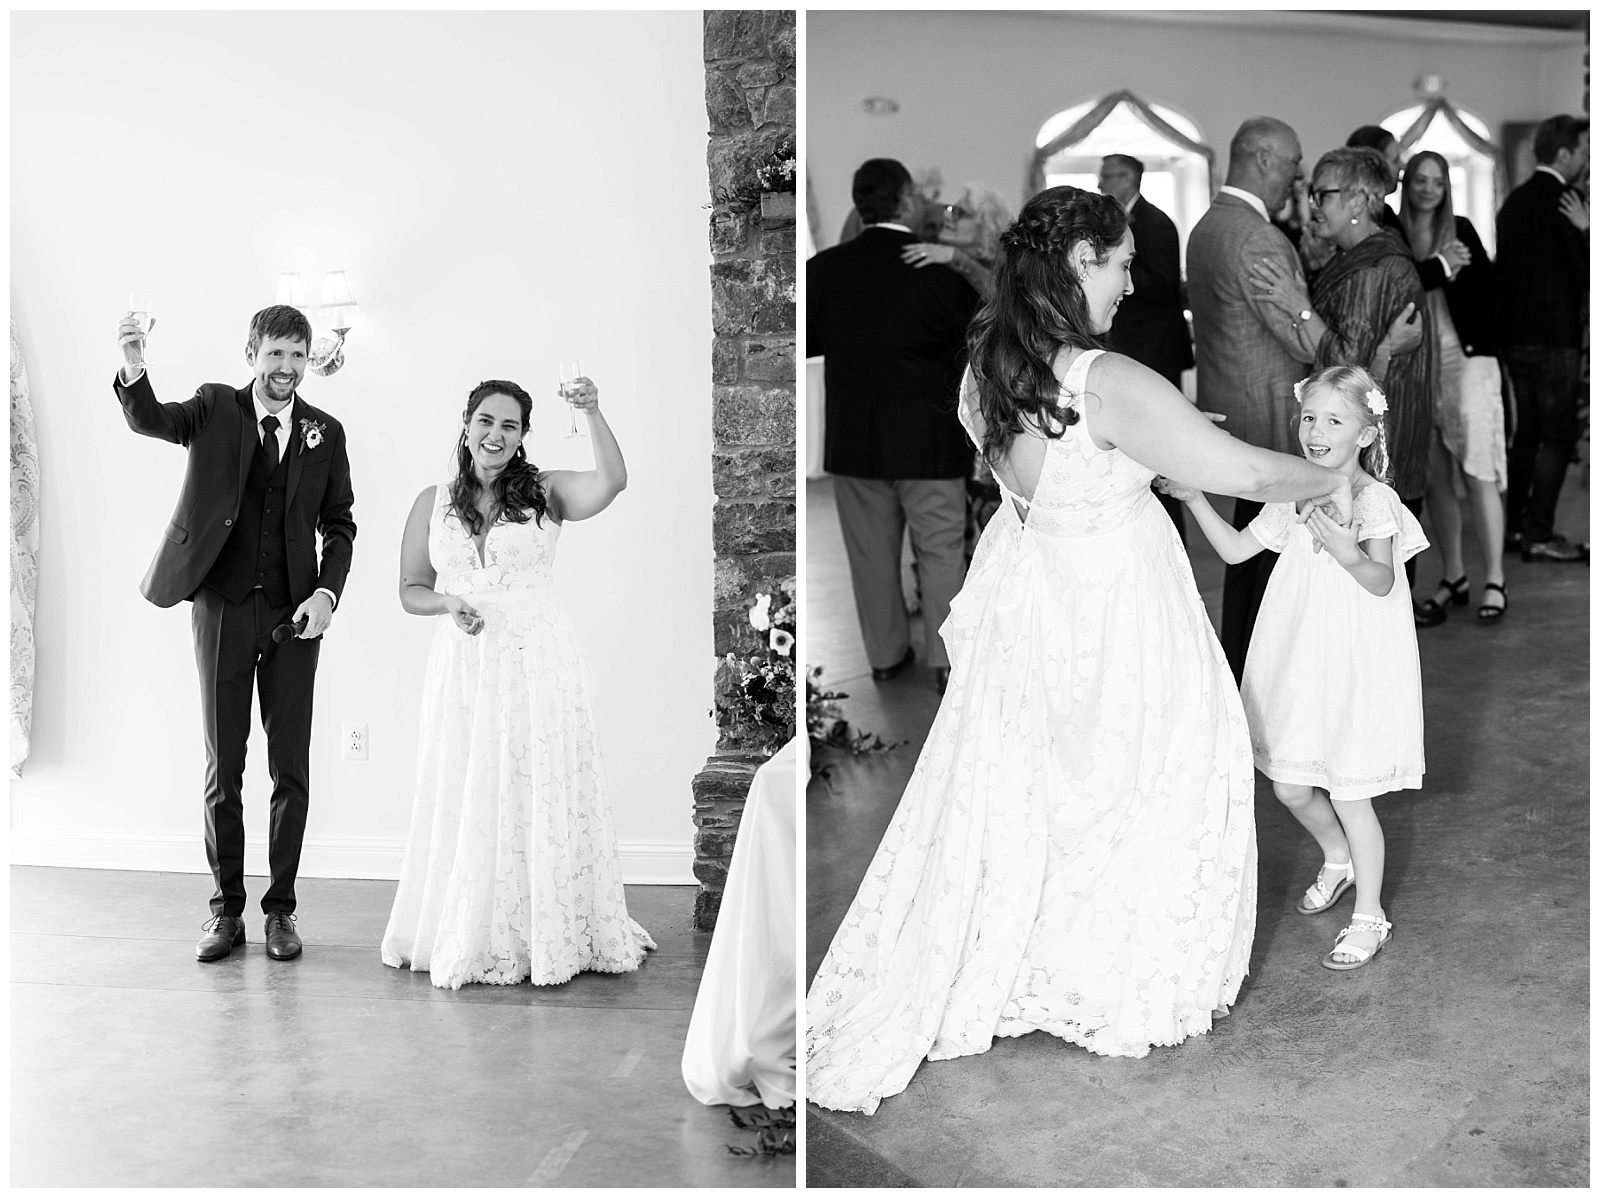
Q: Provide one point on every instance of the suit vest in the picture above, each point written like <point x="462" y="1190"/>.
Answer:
<point x="256" y="552"/>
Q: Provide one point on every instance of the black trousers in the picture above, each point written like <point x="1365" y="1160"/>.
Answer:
<point x="1545" y="382"/>
<point x="1242" y="587"/>
<point x="234" y="649"/>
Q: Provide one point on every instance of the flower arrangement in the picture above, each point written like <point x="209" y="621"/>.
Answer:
<point x="755" y="692"/>
<point x="777" y="173"/>
<point x="827" y="727"/>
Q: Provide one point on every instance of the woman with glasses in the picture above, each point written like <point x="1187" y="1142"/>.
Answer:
<point x="1356" y="297"/>
<point x="969" y="237"/>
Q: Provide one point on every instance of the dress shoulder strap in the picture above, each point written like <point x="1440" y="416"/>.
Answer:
<point x="1072" y="386"/>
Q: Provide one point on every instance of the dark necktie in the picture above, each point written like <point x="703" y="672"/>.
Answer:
<point x="269" y="442"/>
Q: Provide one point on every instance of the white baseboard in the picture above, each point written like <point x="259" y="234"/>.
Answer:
<point x="644" y="863"/>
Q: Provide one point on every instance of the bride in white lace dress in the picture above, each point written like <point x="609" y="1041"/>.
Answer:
<point x="1075" y="850"/>
<point x="510" y="871"/>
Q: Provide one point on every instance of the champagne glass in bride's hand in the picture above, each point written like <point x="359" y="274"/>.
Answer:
<point x="139" y="308"/>
<point x="568" y="375"/>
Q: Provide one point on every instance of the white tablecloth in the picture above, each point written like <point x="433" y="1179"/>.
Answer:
<point x="741" y="1044"/>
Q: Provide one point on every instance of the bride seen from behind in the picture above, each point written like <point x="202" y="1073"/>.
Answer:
<point x="510" y="871"/>
<point x="1075" y="850"/>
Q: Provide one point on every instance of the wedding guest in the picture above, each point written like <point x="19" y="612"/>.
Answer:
<point x="511" y="871"/>
<point x="1150" y="326"/>
<point x="928" y="218"/>
<point x="969" y="237"/>
<point x="1333" y="684"/>
<point x="1368" y="286"/>
<point x="267" y="480"/>
<point x="892" y="339"/>
<point x="1469" y="441"/>
<point x="1248" y="352"/>
<point x="1543" y="283"/>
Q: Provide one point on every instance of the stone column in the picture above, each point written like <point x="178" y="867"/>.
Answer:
<point x="750" y="101"/>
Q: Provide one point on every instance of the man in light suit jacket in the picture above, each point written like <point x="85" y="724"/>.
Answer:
<point x="267" y="473"/>
<point x="893" y="342"/>
<point x="1248" y="354"/>
<point x="1149" y="325"/>
<point x="1543" y="269"/>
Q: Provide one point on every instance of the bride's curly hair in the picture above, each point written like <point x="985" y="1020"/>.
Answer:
<point x="518" y="494"/>
<point x="1038" y="306"/>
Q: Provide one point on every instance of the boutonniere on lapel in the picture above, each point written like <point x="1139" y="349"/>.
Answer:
<point x="311" y="433"/>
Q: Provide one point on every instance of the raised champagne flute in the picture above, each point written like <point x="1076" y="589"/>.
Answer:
<point x="139" y="304"/>
<point x="568" y="375"/>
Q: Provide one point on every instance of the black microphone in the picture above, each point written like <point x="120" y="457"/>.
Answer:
<point x="287" y="632"/>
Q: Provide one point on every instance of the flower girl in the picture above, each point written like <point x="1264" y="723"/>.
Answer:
<point x="1332" y="686"/>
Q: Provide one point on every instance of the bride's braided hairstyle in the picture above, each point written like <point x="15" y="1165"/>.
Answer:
<point x="1037" y="308"/>
<point x="518" y="493"/>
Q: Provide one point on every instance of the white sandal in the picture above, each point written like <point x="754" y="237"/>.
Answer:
<point x="1358" y="923"/>
<point x="1320" y="896"/>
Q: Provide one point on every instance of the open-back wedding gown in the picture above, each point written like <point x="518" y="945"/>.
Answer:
<point x="1075" y="851"/>
<point x="510" y="872"/>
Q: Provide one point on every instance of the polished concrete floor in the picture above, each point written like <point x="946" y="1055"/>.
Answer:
<point x="1459" y="1057"/>
<point x="134" y="1065"/>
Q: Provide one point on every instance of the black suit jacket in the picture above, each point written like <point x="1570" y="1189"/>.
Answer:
<point x="218" y="428"/>
<point x="894" y="342"/>
<point x="1542" y="266"/>
<point x="1469" y="293"/>
<point x="1149" y="326"/>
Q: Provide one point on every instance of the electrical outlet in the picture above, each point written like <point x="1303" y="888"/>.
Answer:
<point x="353" y="742"/>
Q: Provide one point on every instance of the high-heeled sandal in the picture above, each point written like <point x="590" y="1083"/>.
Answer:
<point x="1431" y="612"/>
<point x="1358" y="923"/>
<point x="1487" y="611"/>
<point x="1319" y="896"/>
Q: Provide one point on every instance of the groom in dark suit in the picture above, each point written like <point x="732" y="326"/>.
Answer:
<point x="267" y="473"/>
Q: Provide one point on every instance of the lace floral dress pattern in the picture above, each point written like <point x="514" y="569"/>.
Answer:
<point x="1333" y="682"/>
<point x="510" y="871"/>
<point x="1075" y="851"/>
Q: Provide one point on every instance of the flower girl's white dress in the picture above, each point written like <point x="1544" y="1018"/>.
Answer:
<point x="1075" y="851"/>
<point x="510" y="871"/>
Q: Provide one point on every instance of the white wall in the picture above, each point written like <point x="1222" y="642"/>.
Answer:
<point x="975" y="87"/>
<point x="504" y="189"/>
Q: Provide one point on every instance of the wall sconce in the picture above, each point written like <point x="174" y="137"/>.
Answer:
<point x="339" y="310"/>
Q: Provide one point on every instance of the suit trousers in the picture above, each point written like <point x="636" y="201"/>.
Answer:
<point x="1545" y="382"/>
<point x="1242" y="587"/>
<point x="233" y="648"/>
<point x="873" y="514"/>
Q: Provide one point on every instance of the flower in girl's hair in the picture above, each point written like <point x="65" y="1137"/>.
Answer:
<point x="1300" y="391"/>
<point x="782" y="643"/>
<point x="1376" y="403"/>
<point x="760" y="617"/>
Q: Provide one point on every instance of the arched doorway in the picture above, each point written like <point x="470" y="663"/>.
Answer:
<point x="1177" y="164"/>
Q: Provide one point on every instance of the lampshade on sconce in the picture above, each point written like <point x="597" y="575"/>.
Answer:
<point x="338" y="305"/>
<point x="289" y="290"/>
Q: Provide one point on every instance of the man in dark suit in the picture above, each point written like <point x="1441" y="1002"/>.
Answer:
<point x="1543" y="267"/>
<point x="1149" y="325"/>
<point x="893" y="339"/>
<point x="266" y="474"/>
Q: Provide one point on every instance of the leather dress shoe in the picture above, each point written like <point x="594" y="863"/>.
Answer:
<point x="224" y="933"/>
<point x="1556" y="549"/>
<point x="283" y="943"/>
<point x="941" y="677"/>
<point x="1513" y="542"/>
<point x="888" y="672"/>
